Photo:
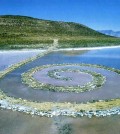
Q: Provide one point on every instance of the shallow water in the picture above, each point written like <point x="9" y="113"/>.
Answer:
<point x="7" y="58"/>
<point x="19" y="123"/>
<point x="108" y="57"/>
<point x="76" y="78"/>
<point x="110" y="90"/>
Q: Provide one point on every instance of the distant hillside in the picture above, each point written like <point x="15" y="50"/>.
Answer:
<point x="27" y="32"/>
<point x="110" y="32"/>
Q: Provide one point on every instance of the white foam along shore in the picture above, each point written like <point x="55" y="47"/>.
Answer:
<point x="58" y="49"/>
<point x="87" y="48"/>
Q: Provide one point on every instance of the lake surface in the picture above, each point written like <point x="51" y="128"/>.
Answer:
<point x="19" y="123"/>
<point x="8" y="58"/>
<point x="16" y="88"/>
<point x="108" y="57"/>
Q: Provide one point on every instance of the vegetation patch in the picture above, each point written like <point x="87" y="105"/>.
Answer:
<point x="27" y="78"/>
<point x="19" y="32"/>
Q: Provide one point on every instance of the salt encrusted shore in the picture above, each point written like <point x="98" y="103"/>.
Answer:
<point x="86" y="48"/>
<point x="59" y="49"/>
<point x="57" y="112"/>
<point x="11" y="57"/>
<point x="22" y="50"/>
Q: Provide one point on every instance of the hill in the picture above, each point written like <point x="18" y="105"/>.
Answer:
<point x="27" y="32"/>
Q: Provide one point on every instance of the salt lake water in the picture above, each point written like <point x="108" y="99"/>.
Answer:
<point x="19" y="123"/>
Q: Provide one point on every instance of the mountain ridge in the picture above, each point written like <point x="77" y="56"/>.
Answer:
<point x="110" y="32"/>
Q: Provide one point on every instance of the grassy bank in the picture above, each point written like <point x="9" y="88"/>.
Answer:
<point x="18" y="32"/>
<point x="88" y="42"/>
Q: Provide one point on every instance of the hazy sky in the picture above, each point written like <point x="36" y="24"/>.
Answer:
<point x="97" y="14"/>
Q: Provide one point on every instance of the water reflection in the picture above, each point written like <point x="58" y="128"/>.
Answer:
<point x="108" y="57"/>
<point x="74" y="52"/>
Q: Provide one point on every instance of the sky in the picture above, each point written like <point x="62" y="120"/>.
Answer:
<point x="96" y="14"/>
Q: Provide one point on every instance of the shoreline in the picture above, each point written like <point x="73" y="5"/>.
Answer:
<point x="59" y="49"/>
<point x="4" y="104"/>
<point x="22" y="50"/>
<point x="87" y="48"/>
